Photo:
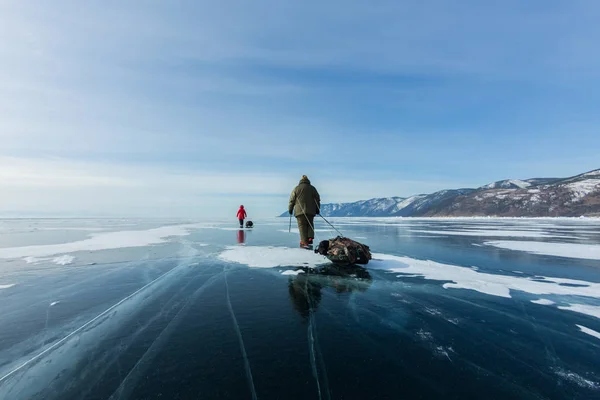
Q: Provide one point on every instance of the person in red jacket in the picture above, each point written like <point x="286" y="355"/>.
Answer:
<point x="241" y="215"/>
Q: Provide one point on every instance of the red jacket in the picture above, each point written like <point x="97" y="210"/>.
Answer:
<point x="241" y="214"/>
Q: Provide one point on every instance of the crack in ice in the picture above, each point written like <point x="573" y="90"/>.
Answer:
<point x="241" y="340"/>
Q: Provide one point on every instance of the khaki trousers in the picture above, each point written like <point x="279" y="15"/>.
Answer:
<point x="305" y="226"/>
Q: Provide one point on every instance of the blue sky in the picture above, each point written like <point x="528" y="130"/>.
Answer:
<point x="190" y="108"/>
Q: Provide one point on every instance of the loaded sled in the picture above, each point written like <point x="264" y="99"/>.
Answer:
<point x="344" y="251"/>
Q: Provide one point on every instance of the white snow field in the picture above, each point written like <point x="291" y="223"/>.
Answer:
<point x="100" y="241"/>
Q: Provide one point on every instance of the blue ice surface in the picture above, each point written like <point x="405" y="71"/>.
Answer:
<point x="176" y="320"/>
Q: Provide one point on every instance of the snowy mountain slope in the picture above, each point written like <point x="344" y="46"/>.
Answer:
<point x="425" y="204"/>
<point x="542" y="181"/>
<point x="573" y="196"/>
<point x="366" y="208"/>
<point x="507" y="184"/>
<point x="391" y="206"/>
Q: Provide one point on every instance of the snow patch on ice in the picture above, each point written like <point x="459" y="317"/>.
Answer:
<point x="292" y="272"/>
<point x="72" y="228"/>
<point x="102" y="241"/>
<point x="7" y="286"/>
<point x="496" y="233"/>
<point x="296" y="231"/>
<point x="54" y="303"/>
<point x="570" y="250"/>
<point x="63" y="260"/>
<point x="271" y="257"/>
<point x="33" y="260"/>
<point x="589" y="331"/>
<point x="492" y="284"/>
<point x="60" y="260"/>
<point x="593" y="311"/>
<point x="544" y="302"/>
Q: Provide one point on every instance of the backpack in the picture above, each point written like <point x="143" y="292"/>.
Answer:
<point x="249" y="224"/>
<point x="342" y="250"/>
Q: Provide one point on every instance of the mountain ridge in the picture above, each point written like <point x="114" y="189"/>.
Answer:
<point x="578" y="195"/>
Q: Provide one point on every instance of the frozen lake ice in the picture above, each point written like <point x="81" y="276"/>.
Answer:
<point x="448" y="308"/>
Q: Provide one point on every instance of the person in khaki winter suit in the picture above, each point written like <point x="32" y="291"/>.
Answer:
<point x="305" y="203"/>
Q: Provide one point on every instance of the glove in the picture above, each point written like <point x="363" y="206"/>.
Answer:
<point x="291" y="212"/>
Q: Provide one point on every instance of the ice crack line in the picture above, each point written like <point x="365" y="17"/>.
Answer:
<point x="313" y="347"/>
<point x="55" y="345"/>
<point x="241" y="340"/>
<point x="154" y="349"/>
<point x="313" y="360"/>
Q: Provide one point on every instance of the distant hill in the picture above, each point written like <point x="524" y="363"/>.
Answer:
<point x="537" y="197"/>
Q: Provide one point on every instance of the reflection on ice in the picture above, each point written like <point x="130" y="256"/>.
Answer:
<point x="241" y="236"/>
<point x="305" y="289"/>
